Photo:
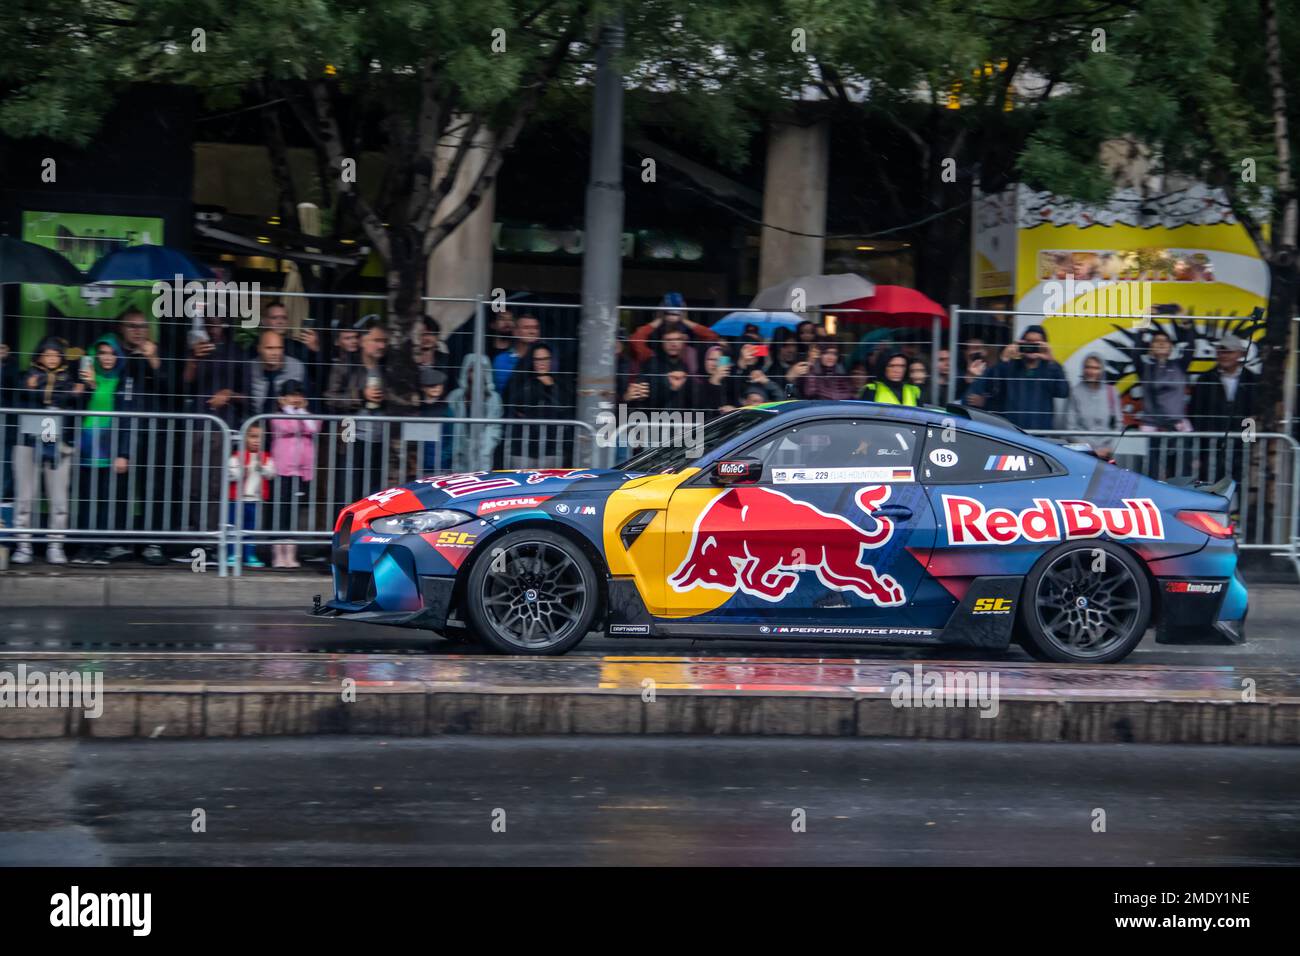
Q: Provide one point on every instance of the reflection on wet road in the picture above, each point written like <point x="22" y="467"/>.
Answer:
<point x="229" y="647"/>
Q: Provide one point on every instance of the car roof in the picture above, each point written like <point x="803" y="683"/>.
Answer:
<point x="978" y="420"/>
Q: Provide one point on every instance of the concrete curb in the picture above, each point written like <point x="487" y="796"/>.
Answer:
<point x="191" y="710"/>
<point x="170" y="589"/>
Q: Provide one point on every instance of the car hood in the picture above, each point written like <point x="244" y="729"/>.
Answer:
<point x="471" y="491"/>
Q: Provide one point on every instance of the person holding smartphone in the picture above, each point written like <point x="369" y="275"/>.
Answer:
<point x="715" y="388"/>
<point x="1024" y="385"/>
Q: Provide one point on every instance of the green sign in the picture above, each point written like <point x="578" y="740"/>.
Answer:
<point x="82" y="239"/>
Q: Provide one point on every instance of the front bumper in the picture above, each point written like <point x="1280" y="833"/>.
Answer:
<point x="435" y="605"/>
<point x="385" y="580"/>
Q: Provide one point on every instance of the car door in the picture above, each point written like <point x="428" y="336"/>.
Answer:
<point x="993" y="504"/>
<point x="831" y="528"/>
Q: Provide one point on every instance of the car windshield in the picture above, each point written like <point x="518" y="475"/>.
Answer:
<point x="681" y="446"/>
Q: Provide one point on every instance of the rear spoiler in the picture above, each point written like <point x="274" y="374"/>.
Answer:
<point x="1225" y="487"/>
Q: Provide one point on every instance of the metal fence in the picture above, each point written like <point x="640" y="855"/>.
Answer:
<point x="1264" y="465"/>
<point x="96" y="478"/>
<point x="128" y="478"/>
<point x="319" y="464"/>
<point x="1123" y="343"/>
<point x="92" y="479"/>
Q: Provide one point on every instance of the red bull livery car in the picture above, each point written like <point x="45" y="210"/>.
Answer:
<point x="825" y="521"/>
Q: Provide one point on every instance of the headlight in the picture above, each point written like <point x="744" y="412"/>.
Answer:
<point x="418" y="522"/>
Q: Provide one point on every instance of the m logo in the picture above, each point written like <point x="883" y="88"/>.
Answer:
<point x="1006" y="463"/>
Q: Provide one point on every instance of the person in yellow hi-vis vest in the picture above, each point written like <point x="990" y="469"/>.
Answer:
<point x="892" y="387"/>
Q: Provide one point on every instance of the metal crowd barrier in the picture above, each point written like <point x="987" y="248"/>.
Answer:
<point x="351" y="456"/>
<point x="1265" y="466"/>
<point x="63" y="463"/>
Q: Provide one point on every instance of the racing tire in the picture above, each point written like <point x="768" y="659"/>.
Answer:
<point x="1084" y="603"/>
<point x="533" y="592"/>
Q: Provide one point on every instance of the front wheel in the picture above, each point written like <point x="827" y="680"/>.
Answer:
<point x="1085" y="604"/>
<point x="534" y="592"/>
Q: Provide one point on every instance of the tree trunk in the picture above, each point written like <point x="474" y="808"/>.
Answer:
<point x="1282" y="255"/>
<point x="406" y="281"/>
<point x="1283" y="282"/>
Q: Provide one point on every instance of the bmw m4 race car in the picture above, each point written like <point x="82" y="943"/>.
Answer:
<point x="829" y="521"/>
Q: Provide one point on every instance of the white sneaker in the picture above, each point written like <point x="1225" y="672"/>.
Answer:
<point x="22" y="554"/>
<point x="54" y="555"/>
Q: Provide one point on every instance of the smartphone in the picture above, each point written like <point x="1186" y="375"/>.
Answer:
<point x="724" y="361"/>
<point x="85" y="362"/>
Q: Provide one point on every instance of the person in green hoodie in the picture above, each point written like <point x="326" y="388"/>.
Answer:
<point x="105" y="448"/>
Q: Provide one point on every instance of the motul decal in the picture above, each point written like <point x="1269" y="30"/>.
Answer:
<point x="505" y="504"/>
<point x="758" y="541"/>
<point x="970" y="522"/>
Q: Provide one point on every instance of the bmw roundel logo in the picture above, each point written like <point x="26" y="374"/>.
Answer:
<point x="561" y="509"/>
<point x="764" y="629"/>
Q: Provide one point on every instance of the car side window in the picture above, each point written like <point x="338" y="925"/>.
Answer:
<point x="974" y="459"/>
<point x="833" y="450"/>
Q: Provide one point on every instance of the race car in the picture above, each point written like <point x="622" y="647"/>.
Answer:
<point x="829" y="521"/>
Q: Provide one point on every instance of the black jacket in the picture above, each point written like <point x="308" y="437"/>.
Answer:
<point x="1209" y="408"/>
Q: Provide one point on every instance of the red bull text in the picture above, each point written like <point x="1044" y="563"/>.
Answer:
<point x="969" y="522"/>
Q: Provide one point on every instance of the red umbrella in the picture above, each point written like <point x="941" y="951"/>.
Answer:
<point x="895" y="306"/>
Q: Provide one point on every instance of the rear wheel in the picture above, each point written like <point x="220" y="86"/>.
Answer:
<point x="1085" y="604"/>
<point x="535" y="592"/>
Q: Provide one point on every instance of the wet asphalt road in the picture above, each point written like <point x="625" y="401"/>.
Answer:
<point x="335" y="801"/>
<point x="1273" y="637"/>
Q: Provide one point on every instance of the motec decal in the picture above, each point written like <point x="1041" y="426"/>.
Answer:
<point x="758" y="540"/>
<point x="969" y="522"/>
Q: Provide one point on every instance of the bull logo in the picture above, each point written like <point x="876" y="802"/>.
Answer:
<point x="758" y="540"/>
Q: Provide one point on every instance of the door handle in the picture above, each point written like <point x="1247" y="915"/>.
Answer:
<point x="901" y="512"/>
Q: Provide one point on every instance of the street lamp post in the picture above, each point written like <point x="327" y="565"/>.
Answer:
<point x="602" y="257"/>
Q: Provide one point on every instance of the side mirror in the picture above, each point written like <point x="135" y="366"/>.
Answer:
<point x="737" y="471"/>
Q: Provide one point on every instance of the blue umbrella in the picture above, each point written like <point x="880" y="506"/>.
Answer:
<point x="146" y="263"/>
<point x="733" y="323"/>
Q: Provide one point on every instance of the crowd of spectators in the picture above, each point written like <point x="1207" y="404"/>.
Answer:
<point x="669" y="362"/>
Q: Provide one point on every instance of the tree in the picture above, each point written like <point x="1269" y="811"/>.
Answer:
<point x="446" y="85"/>
<point x="960" y="83"/>
<point x="1201" y="85"/>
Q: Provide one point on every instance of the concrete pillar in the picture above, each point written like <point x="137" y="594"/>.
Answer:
<point x="462" y="263"/>
<point x="794" y="197"/>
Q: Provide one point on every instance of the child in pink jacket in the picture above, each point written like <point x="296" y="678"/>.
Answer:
<point x="293" y="446"/>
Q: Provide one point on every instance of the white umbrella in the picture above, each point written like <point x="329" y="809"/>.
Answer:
<point x="809" y="292"/>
